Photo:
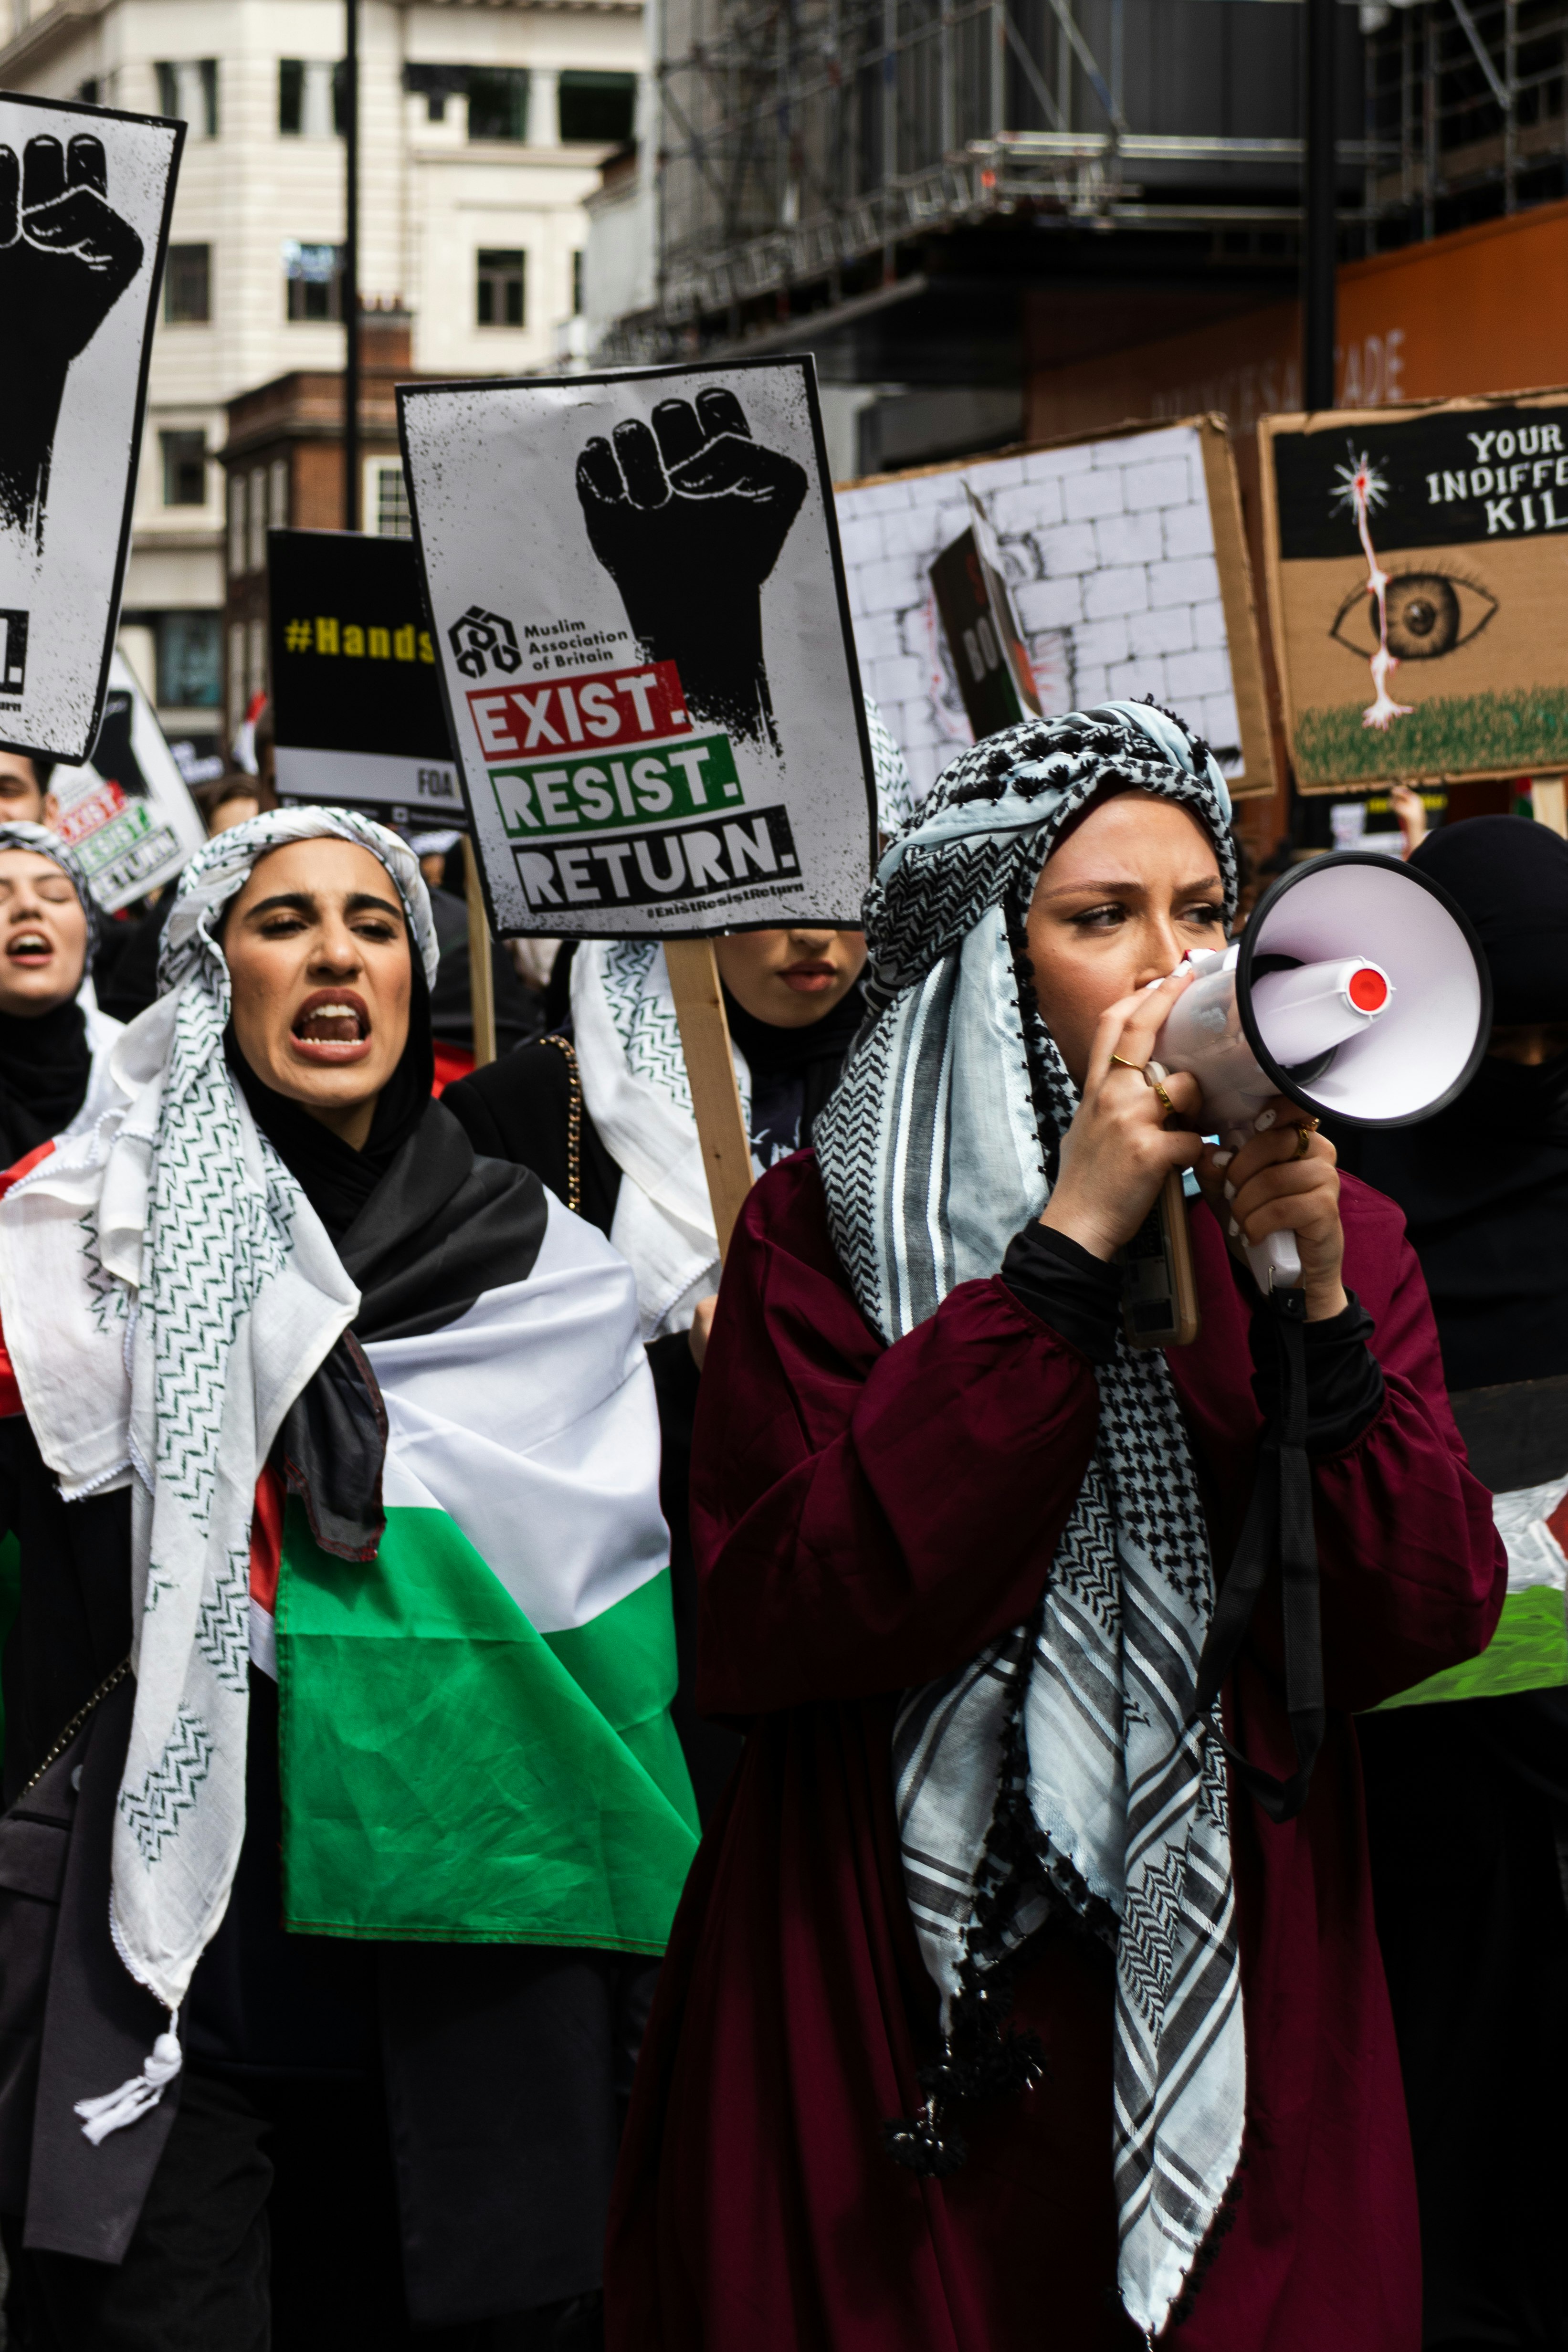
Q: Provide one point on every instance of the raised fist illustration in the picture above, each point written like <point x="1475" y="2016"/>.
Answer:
<point x="688" y="519"/>
<point x="65" y="257"/>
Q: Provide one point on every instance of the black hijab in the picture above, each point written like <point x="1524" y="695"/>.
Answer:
<point x="1484" y="1186"/>
<point x="45" y="1064"/>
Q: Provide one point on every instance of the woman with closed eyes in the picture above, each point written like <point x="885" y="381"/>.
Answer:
<point x="53" y="1040"/>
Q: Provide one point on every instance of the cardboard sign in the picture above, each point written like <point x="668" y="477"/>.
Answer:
<point x="85" y="201"/>
<point x="128" y="812"/>
<point x="1125" y="563"/>
<point x="640" y="620"/>
<point x="1419" y="589"/>
<point x="356" y="700"/>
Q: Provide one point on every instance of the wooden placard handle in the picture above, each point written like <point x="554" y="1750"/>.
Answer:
<point x="482" y="972"/>
<point x="1548" y="800"/>
<point x="715" y="1096"/>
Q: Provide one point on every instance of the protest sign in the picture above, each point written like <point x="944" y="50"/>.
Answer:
<point x="642" y="638"/>
<point x="640" y="619"/>
<point x="1125" y="563"/>
<point x="128" y="812"/>
<point x="1415" y="568"/>
<point x="356" y="702"/>
<point x="85" y="200"/>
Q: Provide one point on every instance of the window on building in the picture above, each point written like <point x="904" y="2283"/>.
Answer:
<point x="309" y="97"/>
<point x="257" y="547"/>
<point x="577" y="281"/>
<point x="498" y="103"/>
<point x="435" y="85"/>
<point x="313" y="275"/>
<point x="257" y="647"/>
<point x="386" y="511"/>
<point x="184" y="468"/>
<point x="187" y="286"/>
<point x="190" y="660"/>
<point x="189" y="92"/>
<point x="236" y="526"/>
<point x="87" y="90"/>
<point x="278" y="494"/>
<point x="235" y="674"/>
<point x="501" y="290"/>
<point x="598" y="106"/>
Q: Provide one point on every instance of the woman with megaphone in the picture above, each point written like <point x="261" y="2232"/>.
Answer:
<point x="1023" y="1991"/>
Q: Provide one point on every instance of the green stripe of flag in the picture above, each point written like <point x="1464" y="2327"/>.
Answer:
<point x="1529" y="1651"/>
<point x="451" y="1775"/>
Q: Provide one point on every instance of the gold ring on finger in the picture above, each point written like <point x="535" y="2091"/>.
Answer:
<point x="1154" y="1075"/>
<point x="1127" y="1065"/>
<point x="1304" y="1140"/>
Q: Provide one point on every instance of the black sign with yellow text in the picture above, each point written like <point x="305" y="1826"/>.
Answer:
<point x="356" y="696"/>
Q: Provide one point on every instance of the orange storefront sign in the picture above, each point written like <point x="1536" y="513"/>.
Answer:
<point x="1482" y="309"/>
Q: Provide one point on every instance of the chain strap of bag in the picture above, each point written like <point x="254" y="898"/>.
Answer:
<point x="574" y="1122"/>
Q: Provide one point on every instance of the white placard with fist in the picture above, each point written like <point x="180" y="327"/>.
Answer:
<point x="85" y="200"/>
<point x="640" y="616"/>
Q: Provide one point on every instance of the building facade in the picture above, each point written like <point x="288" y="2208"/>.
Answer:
<point x="482" y="129"/>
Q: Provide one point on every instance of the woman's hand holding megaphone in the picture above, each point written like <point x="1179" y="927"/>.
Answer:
<point x="1269" y="1186"/>
<point x="1119" y="1151"/>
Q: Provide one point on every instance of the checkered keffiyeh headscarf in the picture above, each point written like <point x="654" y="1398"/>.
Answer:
<point x="1062" y="1765"/>
<point x="167" y="1292"/>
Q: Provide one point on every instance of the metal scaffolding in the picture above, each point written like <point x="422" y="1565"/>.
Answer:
<point x="801" y="143"/>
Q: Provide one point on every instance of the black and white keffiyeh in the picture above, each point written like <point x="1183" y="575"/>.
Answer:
<point x="1080" y="1725"/>
<point x="167" y="1291"/>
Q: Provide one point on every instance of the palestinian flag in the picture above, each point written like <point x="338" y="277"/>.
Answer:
<point x="476" y="1741"/>
<point x="1529" y="1649"/>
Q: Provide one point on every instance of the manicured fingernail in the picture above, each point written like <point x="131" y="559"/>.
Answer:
<point x="1235" y="1229"/>
<point x="1223" y="1159"/>
<point x="1263" y="1122"/>
<point x="1230" y="1192"/>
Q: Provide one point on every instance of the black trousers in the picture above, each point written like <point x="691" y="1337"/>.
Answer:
<point x="270" y="2226"/>
<point x="1467" y="1821"/>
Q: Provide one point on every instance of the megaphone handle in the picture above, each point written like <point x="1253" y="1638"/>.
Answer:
<point x="1276" y="1262"/>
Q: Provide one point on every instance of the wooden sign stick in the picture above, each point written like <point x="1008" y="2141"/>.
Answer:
<point x="482" y="972"/>
<point x="1548" y="800"/>
<point x="715" y="1096"/>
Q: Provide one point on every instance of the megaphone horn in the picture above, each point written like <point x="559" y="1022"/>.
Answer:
<point x="1357" y="988"/>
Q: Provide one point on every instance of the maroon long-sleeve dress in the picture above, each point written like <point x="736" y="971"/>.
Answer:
<point x="866" y="1518"/>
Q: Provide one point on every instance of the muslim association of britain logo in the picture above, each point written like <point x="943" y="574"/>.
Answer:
<point x="482" y="640"/>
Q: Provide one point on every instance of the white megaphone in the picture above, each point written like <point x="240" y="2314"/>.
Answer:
<point x="1357" y="988"/>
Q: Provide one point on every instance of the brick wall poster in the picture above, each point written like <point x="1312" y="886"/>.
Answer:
<point x="1128" y="570"/>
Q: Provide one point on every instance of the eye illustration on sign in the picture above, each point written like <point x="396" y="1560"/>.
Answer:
<point x="65" y="259"/>
<point x="688" y="516"/>
<point x="1429" y="613"/>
